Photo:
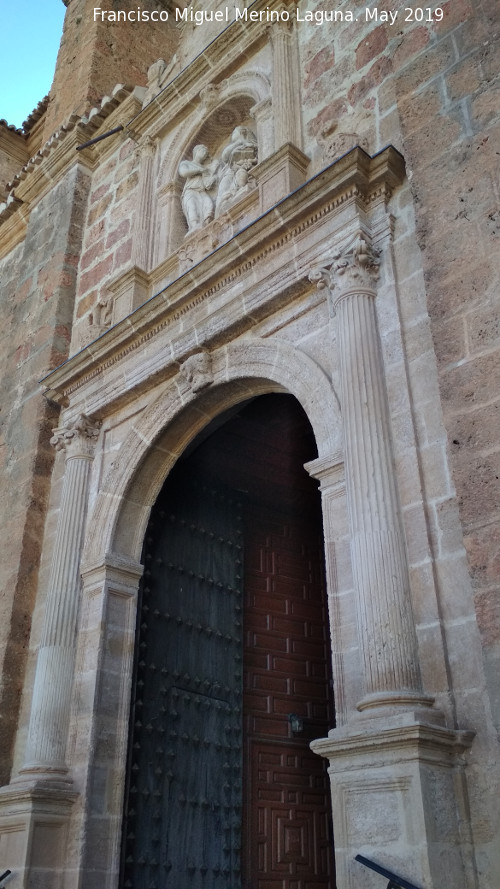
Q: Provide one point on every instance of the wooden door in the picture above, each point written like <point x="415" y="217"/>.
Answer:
<point x="183" y="805"/>
<point x="222" y="793"/>
<point x="287" y="834"/>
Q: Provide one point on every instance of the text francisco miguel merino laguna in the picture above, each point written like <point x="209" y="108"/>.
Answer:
<point x="231" y="13"/>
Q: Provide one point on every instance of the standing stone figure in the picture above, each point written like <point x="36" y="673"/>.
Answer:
<point x="200" y="175"/>
<point x="238" y="157"/>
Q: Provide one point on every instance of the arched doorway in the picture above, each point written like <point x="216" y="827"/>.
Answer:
<point x="232" y="677"/>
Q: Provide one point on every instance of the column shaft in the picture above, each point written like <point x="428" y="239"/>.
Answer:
<point x="385" y="621"/>
<point x="50" y="709"/>
<point x="378" y="552"/>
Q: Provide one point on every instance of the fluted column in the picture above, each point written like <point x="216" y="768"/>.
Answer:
<point x="286" y="106"/>
<point x="50" y="710"/>
<point x="385" y="621"/>
<point x="142" y="234"/>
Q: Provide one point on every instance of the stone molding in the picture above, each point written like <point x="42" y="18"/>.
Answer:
<point x="354" y="180"/>
<point x="244" y="364"/>
<point x="435" y="743"/>
<point x="329" y="470"/>
<point x="122" y="573"/>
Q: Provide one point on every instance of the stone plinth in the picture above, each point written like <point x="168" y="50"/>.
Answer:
<point x="280" y="174"/>
<point x="33" y="829"/>
<point x="129" y="291"/>
<point x="397" y="799"/>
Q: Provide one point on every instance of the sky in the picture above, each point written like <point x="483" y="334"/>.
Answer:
<point x="30" y="33"/>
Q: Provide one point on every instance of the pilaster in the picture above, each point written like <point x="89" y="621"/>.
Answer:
<point x="330" y="472"/>
<point x="142" y="235"/>
<point x="286" y="89"/>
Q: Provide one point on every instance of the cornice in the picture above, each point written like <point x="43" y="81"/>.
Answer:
<point x="13" y="143"/>
<point x="213" y="64"/>
<point x="42" y="171"/>
<point x="354" y="178"/>
<point x="13" y="224"/>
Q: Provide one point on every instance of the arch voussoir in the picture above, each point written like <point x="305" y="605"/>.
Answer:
<point x="160" y="434"/>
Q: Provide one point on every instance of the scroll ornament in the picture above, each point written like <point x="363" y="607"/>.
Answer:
<point x="78" y="437"/>
<point x="356" y="268"/>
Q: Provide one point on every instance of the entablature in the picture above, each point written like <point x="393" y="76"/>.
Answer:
<point x="262" y="267"/>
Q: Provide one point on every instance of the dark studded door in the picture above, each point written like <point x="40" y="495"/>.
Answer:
<point x="232" y="641"/>
<point x="183" y="809"/>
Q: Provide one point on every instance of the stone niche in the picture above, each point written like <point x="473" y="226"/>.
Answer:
<point x="215" y="186"/>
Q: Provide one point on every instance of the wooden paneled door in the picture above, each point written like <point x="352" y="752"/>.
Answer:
<point x="287" y="836"/>
<point x="232" y="640"/>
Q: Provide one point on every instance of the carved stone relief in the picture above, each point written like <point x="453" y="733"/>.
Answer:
<point x="198" y="194"/>
<point x="197" y="372"/>
<point x="99" y="320"/>
<point x="334" y="144"/>
<point x="159" y="74"/>
<point x="212" y="185"/>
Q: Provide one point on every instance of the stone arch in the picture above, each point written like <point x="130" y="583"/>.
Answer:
<point x="160" y="435"/>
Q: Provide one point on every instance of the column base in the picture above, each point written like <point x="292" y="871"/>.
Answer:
<point x="34" y="817"/>
<point x="395" y="699"/>
<point x="397" y="800"/>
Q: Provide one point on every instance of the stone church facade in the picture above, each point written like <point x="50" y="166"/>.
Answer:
<point x="289" y="235"/>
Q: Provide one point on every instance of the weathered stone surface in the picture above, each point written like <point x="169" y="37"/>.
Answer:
<point x="35" y="340"/>
<point x="188" y="327"/>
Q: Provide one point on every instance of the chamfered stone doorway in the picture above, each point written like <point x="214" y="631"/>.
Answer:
<point x="232" y="644"/>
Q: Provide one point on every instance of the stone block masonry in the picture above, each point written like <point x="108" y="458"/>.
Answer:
<point x="430" y="89"/>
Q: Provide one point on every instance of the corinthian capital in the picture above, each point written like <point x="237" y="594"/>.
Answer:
<point x="77" y="438"/>
<point x="350" y="270"/>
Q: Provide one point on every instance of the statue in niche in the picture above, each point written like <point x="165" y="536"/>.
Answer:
<point x="212" y="186"/>
<point x="237" y="159"/>
<point x="198" y="202"/>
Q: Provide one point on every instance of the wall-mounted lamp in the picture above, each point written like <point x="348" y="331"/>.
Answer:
<point x="296" y="723"/>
